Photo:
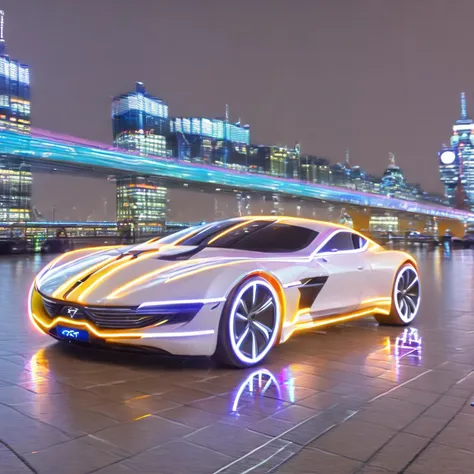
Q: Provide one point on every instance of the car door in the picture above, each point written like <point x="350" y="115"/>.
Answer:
<point x="345" y="268"/>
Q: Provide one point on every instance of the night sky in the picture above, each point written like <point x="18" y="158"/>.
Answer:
<point x="369" y="75"/>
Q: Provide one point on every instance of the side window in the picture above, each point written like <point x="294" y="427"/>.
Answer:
<point x="340" y="242"/>
<point x="358" y="241"/>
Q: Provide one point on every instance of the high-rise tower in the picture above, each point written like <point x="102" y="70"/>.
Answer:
<point x="14" y="89"/>
<point x="456" y="161"/>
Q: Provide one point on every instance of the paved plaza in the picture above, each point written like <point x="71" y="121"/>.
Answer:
<point x="355" y="398"/>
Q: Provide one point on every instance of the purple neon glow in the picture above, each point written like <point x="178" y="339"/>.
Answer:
<point x="384" y="200"/>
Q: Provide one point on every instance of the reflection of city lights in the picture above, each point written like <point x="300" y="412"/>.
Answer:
<point x="409" y="344"/>
<point x="261" y="382"/>
<point x="39" y="369"/>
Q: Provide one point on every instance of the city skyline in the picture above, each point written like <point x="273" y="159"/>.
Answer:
<point x="187" y="92"/>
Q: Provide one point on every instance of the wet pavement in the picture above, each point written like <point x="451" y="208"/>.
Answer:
<point x="353" y="398"/>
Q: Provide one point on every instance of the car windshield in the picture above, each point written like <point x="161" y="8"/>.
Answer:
<point x="252" y="235"/>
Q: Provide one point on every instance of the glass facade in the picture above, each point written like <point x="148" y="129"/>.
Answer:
<point x="141" y="201"/>
<point x="314" y="169"/>
<point x="14" y="91"/>
<point x="15" y="191"/>
<point x="140" y="122"/>
<point x="456" y="161"/>
<point x="209" y="141"/>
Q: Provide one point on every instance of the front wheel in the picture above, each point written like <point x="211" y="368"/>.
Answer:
<point x="250" y="324"/>
<point x="406" y="297"/>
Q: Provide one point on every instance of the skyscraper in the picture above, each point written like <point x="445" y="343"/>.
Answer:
<point x="15" y="176"/>
<point x="14" y="90"/>
<point x="211" y="141"/>
<point x="140" y="122"/>
<point x="456" y="161"/>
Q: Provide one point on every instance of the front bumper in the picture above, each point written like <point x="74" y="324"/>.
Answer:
<point x="198" y="337"/>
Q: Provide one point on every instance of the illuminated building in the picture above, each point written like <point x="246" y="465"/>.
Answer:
<point x="14" y="90"/>
<point x="15" y="176"/>
<point x="15" y="191"/>
<point x="456" y="162"/>
<point x="140" y="122"/>
<point x="393" y="182"/>
<point x="314" y="169"/>
<point x="279" y="161"/>
<point x="141" y="203"/>
<point x="210" y="141"/>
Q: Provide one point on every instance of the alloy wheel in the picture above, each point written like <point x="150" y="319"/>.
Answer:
<point x="254" y="321"/>
<point x="407" y="294"/>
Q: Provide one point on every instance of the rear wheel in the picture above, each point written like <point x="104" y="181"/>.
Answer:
<point x="406" y="298"/>
<point x="250" y="324"/>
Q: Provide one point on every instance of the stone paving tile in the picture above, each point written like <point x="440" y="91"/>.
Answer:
<point x="178" y="457"/>
<point x="186" y="395"/>
<point x="190" y="416"/>
<point x="425" y="426"/>
<point x="13" y="395"/>
<point x="321" y="400"/>
<point x="271" y="426"/>
<point x="418" y="397"/>
<point x="10" y="463"/>
<point x="442" y="412"/>
<point x="31" y="436"/>
<point x="295" y="414"/>
<point x="142" y="434"/>
<point x="152" y="403"/>
<point x="315" y="461"/>
<point x="392" y="420"/>
<point x="73" y="457"/>
<point x="74" y="423"/>
<point x="295" y="395"/>
<point x="119" y="411"/>
<point x="341" y="439"/>
<point x="368" y="469"/>
<point x="459" y="433"/>
<point x="230" y="440"/>
<point x="439" y="459"/>
<point x="399" y="451"/>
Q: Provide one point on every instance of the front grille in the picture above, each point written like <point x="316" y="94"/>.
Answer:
<point x="120" y="317"/>
<point x="52" y="307"/>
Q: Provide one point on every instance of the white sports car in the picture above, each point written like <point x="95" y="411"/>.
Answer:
<point x="232" y="289"/>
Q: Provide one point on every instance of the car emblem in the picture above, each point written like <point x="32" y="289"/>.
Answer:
<point x="71" y="312"/>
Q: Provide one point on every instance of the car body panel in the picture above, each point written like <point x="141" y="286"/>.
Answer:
<point x="160" y="273"/>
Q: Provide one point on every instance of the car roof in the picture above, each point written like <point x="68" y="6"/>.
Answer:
<point x="318" y="226"/>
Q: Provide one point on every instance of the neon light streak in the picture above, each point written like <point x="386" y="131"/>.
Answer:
<point x="182" y="302"/>
<point x="92" y="329"/>
<point x="148" y="276"/>
<point x="63" y="288"/>
<point x="113" y="270"/>
<point x="228" y="231"/>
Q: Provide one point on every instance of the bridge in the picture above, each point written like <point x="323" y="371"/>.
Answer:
<point x="44" y="150"/>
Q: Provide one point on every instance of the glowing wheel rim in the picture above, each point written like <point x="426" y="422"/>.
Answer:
<point x="254" y="321"/>
<point x="407" y="294"/>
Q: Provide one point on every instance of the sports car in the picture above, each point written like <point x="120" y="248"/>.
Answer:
<point x="231" y="289"/>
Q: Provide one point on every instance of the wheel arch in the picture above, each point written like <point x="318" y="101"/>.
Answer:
<point x="277" y="286"/>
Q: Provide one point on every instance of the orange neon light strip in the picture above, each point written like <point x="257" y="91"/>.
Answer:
<point x="334" y="320"/>
<point x="92" y="329"/>
<point x="205" y="269"/>
<point x="65" y="286"/>
<point x="227" y="231"/>
<point x="148" y="276"/>
<point x="113" y="270"/>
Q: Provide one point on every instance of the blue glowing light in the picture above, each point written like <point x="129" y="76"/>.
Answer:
<point x="56" y="151"/>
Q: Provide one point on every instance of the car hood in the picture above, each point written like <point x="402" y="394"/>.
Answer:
<point x="129" y="278"/>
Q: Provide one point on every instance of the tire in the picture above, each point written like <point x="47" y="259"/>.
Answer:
<point x="250" y="324"/>
<point x="406" y="298"/>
